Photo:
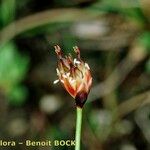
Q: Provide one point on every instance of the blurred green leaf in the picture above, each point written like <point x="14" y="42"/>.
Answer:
<point x="13" y="68"/>
<point x="148" y="66"/>
<point x="17" y="95"/>
<point x="69" y="41"/>
<point x="106" y="6"/>
<point x="144" y="39"/>
<point x="129" y="9"/>
<point x="7" y="11"/>
<point x="135" y="14"/>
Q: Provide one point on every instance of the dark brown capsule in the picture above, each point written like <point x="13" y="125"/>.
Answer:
<point x="80" y="99"/>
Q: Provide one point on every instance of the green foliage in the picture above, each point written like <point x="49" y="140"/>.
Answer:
<point x="13" y="68"/>
<point x="68" y="42"/>
<point x="128" y="9"/>
<point x="7" y="11"/>
<point x="135" y="14"/>
<point x="148" y="66"/>
<point x="144" y="39"/>
<point x="18" y="95"/>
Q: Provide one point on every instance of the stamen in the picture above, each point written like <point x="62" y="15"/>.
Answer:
<point x="58" y="72"/>
<point x="56" y="81"/>
<point x="62" y="81"/>
<point x="75" y="61"/>
<point x="87" y="66"/>
<point x="64" y="76"/>
<point x="68" y="74"/>
<point x="72" y="81"/>
<point x="78" y="62"/>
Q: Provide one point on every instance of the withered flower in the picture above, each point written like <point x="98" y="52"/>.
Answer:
<point x="74" y="75"/>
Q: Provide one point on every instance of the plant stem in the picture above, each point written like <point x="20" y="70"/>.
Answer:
<point x="78" y="128"/>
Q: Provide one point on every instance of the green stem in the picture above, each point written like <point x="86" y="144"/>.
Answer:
<point x="78" y="128"/>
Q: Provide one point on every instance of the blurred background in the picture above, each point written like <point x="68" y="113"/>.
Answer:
<point x="114" y="38"/>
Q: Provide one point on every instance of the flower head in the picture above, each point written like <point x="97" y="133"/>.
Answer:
<point x="74" y="75"/>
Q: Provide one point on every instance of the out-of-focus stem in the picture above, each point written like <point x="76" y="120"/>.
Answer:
<point x="43" y="18"/>
<point x="110" y="100"/>
<point x="133" y="103"/>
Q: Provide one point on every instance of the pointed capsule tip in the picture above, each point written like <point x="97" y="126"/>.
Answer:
<point x="77" y="51"/>
<point x="58" y="51"/>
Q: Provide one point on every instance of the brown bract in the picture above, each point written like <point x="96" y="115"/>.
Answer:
<point x="74" y="75"/>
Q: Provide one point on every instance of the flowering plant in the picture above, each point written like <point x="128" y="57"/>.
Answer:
<point x="74" y="75"/>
